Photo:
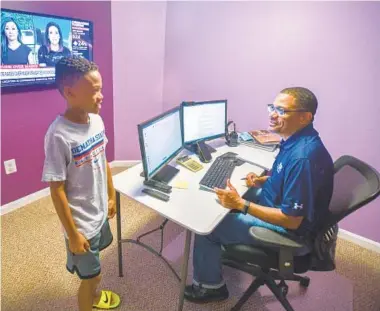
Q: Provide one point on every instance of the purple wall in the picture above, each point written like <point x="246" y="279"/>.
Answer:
<point x="248" y="51"/>
<point x="25" y="117"/>
<point x="138" y="32"/>
<point x="164" y="53"/>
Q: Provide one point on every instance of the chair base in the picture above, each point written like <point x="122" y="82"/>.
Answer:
<point x="268" y="277"/>
<point x="279" y="290"/>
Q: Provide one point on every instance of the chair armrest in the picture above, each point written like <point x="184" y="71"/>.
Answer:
<point x="270" y="238"/>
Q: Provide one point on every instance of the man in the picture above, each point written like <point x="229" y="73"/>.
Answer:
<point x="293" y="199"/>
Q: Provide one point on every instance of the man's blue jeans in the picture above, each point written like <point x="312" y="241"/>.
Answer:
<point x="234" y="228"/>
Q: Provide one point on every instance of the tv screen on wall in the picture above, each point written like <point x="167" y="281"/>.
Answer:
<point x="32" y="43"/>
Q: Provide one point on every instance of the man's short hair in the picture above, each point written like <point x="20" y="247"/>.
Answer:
<point x="305" y="98"/>
<point x="68" y="70"/>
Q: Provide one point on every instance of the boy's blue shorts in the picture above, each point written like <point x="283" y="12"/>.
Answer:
<point x="87" y="265"/>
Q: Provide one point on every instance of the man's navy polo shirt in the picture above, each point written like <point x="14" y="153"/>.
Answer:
<point x="301" y="181"/>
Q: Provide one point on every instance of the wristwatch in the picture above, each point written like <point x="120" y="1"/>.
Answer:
<point x="246" y="207"/>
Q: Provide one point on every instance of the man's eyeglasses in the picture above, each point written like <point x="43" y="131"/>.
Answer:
<point x="281" y="111"/>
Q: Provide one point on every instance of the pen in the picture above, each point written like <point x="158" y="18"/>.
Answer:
<point x="244" y="178"/>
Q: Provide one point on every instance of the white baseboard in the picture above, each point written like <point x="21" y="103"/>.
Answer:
<point x="11" y="206"/>
<point x="359" y="240"/>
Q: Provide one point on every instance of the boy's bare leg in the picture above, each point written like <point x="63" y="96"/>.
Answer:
<point x="96" y="293"/>
<point x="87" y="293"/>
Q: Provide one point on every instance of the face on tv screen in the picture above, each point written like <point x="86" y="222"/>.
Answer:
<point x="31" y="45"/>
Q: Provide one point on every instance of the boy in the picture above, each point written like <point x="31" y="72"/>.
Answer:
<point x="80" y="178"/>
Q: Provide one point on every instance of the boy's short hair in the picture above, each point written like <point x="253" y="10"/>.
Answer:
<point x="69" y="70"/>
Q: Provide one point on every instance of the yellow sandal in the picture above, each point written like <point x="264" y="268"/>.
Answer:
<point x="105" y="300"/>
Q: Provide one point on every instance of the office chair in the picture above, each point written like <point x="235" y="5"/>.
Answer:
<point x="280" y="257"/>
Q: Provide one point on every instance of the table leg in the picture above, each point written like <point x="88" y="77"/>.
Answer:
<point x="185" y="262"/>
<point x="119" y="242"/>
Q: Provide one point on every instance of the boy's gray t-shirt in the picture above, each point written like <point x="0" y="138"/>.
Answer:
<point x="75" y="153"/>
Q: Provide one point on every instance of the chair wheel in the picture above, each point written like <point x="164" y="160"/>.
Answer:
<point x="283" y="287"/>
<point x="284" y="290"/>
<point x="305" y="281"/>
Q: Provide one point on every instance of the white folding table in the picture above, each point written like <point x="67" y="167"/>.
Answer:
<point x="195" y="210"/>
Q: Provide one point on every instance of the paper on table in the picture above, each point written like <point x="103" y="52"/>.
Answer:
<point x="180" y="184"/>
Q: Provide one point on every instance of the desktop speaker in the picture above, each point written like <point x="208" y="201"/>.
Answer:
<point x="231" y="137"/>
<point x="203" y="152"/>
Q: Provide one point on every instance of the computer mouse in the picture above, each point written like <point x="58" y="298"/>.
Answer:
<point x="238" y="162"/>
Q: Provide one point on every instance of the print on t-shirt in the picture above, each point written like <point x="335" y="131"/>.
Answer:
<point x="89" y="151"/>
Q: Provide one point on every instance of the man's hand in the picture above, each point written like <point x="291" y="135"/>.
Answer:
<point x="111" y="208"/>
<point x="78" y="244"/>
<point x="230" y="198"/>
<point x="254" y="181"/>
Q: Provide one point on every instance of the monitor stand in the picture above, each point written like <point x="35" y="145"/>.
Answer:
<point x="165" y="174"/>
<point x="193" y="148"/>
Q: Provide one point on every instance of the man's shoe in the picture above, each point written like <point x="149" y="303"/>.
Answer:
<point x="198" y="294"/>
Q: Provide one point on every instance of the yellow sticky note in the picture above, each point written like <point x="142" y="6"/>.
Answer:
<point x="181" y="184"/>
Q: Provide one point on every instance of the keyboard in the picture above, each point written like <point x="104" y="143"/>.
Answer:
<point x="218" y="173"/>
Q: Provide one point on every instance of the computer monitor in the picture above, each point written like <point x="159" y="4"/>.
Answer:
<point x="160" y="141"/>
<point x="203" y="121"/>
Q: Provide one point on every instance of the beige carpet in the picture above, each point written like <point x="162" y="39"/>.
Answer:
<point x="34" y="275"/>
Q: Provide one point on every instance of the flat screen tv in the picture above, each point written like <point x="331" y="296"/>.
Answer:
<point x="32" y="43"/>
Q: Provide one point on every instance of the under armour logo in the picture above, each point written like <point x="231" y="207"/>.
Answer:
<point x="279" y="168"/>
<point x="297" y="206"/>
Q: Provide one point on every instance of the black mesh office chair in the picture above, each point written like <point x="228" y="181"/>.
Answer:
<point x="279" y="258"/>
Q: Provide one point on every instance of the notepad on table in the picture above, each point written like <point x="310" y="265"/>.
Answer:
<point x="181" y="184"/>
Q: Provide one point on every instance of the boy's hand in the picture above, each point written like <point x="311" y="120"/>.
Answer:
<point x="78" y="244"/>
<point x="253" y="180"/>
<point x="111" y="208"/>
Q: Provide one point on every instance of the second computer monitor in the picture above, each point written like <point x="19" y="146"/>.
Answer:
<point x="160" y="141"/>
<point x="203" y="121"/>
